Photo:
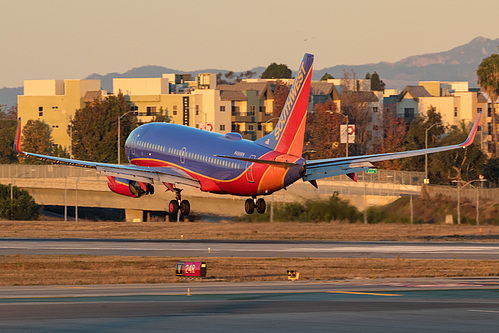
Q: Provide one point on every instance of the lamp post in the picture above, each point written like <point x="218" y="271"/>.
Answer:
<point x="481" y="179"/>
<point x="346" y="118"/>
<point x="119" y="134"/>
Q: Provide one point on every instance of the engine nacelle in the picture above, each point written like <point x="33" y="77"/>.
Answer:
<point x="130" y="188"/>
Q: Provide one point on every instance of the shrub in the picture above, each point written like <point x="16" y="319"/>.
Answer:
<point x="22" y="207"/>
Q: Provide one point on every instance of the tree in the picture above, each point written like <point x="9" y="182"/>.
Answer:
<point x="394" y="138"/>
<point x="416" y="137"/>
<point x="36" y="138"/>
<point x="8" y="125"/>
<point x="459" y="164"/>
<point x="354" y="103"/>
<point x="488" y="78"/>
<point x="376" y="83"/>
<point x="326" y="77"/>
<point x="323" y="132"/>
<point x="275" y="71"/>
<point x="95" y="129"/>
<point x="21" y="207"/>
<point x="281" y="92"/>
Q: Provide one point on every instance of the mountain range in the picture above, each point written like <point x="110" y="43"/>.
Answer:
<point x="457" y="64"/>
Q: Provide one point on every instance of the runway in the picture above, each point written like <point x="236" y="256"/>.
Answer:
<point x="414" y="305"/>
<point x="215" y="248"/>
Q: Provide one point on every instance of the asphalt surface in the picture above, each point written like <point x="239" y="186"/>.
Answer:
<point x="289" y="249"/>
<point x="415" y="305"/>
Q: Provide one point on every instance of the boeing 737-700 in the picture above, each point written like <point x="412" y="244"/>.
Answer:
<point x="179" y="156"/>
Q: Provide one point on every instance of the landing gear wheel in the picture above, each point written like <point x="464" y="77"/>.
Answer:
<point x="185" y="207"/>
<point x="249" y="206"/>
<point x="260" y="206"/>
<point x="173" y="207"/>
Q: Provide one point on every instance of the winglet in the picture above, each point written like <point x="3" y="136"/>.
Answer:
<point x="471" y="136"/>
<point x="17" y="140"/>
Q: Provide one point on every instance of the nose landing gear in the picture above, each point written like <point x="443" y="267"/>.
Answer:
<point x="250" y="204"/>
<point x="178" y="203"/>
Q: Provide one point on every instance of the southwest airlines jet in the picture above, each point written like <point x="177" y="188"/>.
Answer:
<point x="178" y="156"/>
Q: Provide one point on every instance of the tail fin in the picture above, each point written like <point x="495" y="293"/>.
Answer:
<point x="289" y="132"/>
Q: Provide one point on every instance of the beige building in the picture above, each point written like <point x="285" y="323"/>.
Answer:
<point x="55" y="103"/>
<point x="194" y="103"/>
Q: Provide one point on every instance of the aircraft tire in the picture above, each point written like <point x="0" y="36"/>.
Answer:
<point x="249" y="206"/>
<point x="173" y="207"/>
<point x="260" y="206"/>
<point x="185" y="207"/>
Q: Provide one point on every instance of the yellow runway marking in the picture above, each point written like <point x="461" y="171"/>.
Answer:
<point x="359" y="293"/>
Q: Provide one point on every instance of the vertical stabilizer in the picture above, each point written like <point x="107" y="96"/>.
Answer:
<point x="287" y="137"/>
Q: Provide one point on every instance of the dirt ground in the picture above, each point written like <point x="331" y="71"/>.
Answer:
<point x="74" y="270"/>
<point x="81" y="270"/>
<point x="334" y="231"/>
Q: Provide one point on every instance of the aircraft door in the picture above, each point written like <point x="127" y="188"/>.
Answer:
<point x="249" y="172"/>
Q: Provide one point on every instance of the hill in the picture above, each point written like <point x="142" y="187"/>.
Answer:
<point x="457" y="64"/>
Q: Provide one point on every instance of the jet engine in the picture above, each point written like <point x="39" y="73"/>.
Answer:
<point x="130" y="188"/>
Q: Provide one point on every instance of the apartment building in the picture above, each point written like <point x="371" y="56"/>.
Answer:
<point x="55" y="102"/>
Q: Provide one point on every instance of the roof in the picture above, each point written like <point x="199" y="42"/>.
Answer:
<point x="91" y="96"/>
<point x="323" y="88"/>
<point x="261" y="87"/>
<point x="481" y="98"/>
<point x="362" y="96"/>
<point x="415" y="91"/>
<point x="232" y="95"/>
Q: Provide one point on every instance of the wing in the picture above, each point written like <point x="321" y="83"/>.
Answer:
<point x="133" y="172"/>
<point x="318" y="169"/>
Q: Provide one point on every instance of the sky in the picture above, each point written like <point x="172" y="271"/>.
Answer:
<point x="71" y="39"/>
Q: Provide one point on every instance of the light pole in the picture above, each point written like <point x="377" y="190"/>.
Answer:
<point x="426" y="180"/>
<point x="119" y="134"/>
<point x="477" y="197"/>
<point x="346" y="118"/>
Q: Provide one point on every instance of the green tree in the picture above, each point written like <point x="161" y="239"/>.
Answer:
<point x="376" y="83"/>
<point x="8" y="126"/>
<point x="95" y="129"/>
<point x="275" y="71"/>
<point x="416" y="137"/>
<point x="488" y="79"/>
<point x="36" y="138"/>
<point x="326" y="77"/>
<point x="491" y="171"/>
<point x="21" y="207"/>
<point x="459" y="164"/>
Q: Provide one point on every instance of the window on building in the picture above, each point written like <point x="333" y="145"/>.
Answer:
<point x="455" y="112"/>
<point x="375" y="127"/>
<point x="174" y="110"/>
<point x="222" y="127"/>
<point x="252" y="110"/>
<point x="222" y="108"/>
<point x="478" y="110"/>
<point x="197" y="110"/>
<point x="55" y="108"/>
<point x="150" y="111"/>
<point x="409" y="112"/>
<point x="251" y="128"/>
<point x="263" y="109"/>
<point x="40" y="111"/>
<point x="375" y="109"/>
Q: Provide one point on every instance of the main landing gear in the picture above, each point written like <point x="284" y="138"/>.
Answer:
<point x="251" y="204"/>
<point x="178" y="204"/>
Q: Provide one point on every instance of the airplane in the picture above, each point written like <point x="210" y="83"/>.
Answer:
<point x="180" y="156"/>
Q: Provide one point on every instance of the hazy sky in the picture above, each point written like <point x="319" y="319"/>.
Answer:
<point x="68" y="39"/>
